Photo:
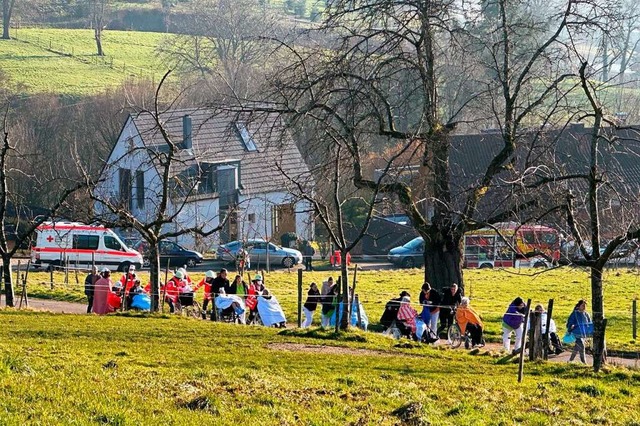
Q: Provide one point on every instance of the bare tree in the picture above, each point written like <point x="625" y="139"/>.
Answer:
<point x="7" y="11"/>
<point x="170" y="193"/>
<point x="13" y="208"/>
<point x="98" y="10"/>
<point x="226" y="47"/>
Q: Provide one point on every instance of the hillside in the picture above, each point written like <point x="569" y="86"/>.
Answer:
<point x="63" y="61"/>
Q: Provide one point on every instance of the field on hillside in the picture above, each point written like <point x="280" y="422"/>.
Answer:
<point x="490" y="292"/>
<point x="64" y="61"/>
<point x="129" y="370"/>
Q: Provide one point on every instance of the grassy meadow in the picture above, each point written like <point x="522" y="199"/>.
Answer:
<point x="64" y="61"/>
<point x="131" y="369"/>
<point x="490" y="292"/>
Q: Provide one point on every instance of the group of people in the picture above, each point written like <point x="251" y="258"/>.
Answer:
<point x="332" y="306"/>
<point x="227" y="299"/>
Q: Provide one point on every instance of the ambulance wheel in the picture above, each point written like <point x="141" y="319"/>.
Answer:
<point x="56" y="264"/>
<point x="124" y="267"/>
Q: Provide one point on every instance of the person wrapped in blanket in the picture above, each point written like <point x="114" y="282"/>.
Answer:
<point x="138" y="298"/>
<point x="469" y="321"/>
<point x="357" y="313"/>
<point x="411" y="320"/>
<point x="224" y="303"/>
<point x="270" y="311"/>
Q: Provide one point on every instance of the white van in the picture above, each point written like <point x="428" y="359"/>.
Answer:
<point x="80" y="244"/>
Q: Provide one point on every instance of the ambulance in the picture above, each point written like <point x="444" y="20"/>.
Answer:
<point x="74" y="243"/>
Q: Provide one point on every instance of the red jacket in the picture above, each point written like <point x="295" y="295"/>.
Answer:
<point x="171" y="289"/>
<point x="207" y="288"/>
<point x="127" y="281"/>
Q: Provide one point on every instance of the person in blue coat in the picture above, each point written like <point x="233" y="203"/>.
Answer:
<point x="579" y="324"/>
<point x="512" y="322"/>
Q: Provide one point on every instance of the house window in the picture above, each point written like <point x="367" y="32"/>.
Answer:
<point x="208" y="180"/>
<point x="247" y="139"/>
<point x="125" y="185"/>
<point x="252" y="217"/>
<point x="140" y="188"/>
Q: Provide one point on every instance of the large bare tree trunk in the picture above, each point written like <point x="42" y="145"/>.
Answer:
<point x="8" y="283"/>
<point x="443" y="263"/>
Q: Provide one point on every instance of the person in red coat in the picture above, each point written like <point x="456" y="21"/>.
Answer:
<point x="172" y="290"/>
<point x="206" y="283"/>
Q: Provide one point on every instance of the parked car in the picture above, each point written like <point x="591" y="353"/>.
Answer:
<point x="257" y="249"/>
<point x="409" y="255"/>
<point x="174" y="253"/>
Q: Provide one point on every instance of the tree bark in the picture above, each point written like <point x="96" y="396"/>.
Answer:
<point x="7" y="9"/>
<point x="443" y="259"/>
<point x="344" y="320"/>
<point x="597" y="306"/>
<point x="154" y="276"/>
<point x="8" y="283"/>
<point x="97" y="31"/>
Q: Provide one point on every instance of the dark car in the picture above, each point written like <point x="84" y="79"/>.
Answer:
<point x="409" y="255"/>
<point x="174" y="253"/>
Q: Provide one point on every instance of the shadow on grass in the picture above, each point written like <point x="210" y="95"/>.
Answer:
<point x="327" y="334"/>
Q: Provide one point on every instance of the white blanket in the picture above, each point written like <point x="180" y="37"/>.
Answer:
<point x="270" y="311"/>
<point x="223" y="301"/>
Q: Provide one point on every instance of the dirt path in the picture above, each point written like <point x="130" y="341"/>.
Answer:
<point x="492" y="347"/>
<point x="55" y="306"/>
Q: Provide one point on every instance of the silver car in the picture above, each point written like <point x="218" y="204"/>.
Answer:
<point x="257" y="250"/>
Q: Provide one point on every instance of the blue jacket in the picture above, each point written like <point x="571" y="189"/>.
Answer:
<point x="579" y="323"/>
<point x="513" y="317"/>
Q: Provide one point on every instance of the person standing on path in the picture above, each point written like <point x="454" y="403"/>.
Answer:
<point x="513" y="322"/>
<point x="308" y="251"/>
<point x="579" y="324"/>
<point x="90" y="285"/>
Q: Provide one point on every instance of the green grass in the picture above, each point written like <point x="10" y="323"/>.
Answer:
<point x="64" y="61"/>
<point x="490" y="291"/>
<point x="128" y="370"/>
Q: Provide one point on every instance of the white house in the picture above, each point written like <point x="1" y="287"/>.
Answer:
<point x="226" y="166"/>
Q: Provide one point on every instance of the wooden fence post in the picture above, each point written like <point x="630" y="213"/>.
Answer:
<point x="547" y="335"/>
<point x="338" y="304"/>
<point x="634" y="318"/>
<point x="299" y="298"/>
<point x="535" y="336"/>
<point x="524" y="337"/>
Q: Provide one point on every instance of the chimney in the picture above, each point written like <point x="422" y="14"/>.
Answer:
<point x="187" y="141"/>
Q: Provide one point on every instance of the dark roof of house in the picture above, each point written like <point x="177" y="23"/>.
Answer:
<point x="217" y="139"/>
<point x="565" y="150"/>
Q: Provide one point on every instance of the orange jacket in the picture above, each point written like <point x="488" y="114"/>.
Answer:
<point x="466" y="315"/>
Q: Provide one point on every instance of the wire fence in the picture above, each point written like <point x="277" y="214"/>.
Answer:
<point x="85" y="56"/>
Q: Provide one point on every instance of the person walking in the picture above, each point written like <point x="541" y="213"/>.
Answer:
<point x="309" y="308"/>
<point x="90" y="285"/>
<point x="579" y="324"/>
<point x="308" y="252"/>
<point x="513" y="322"/>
